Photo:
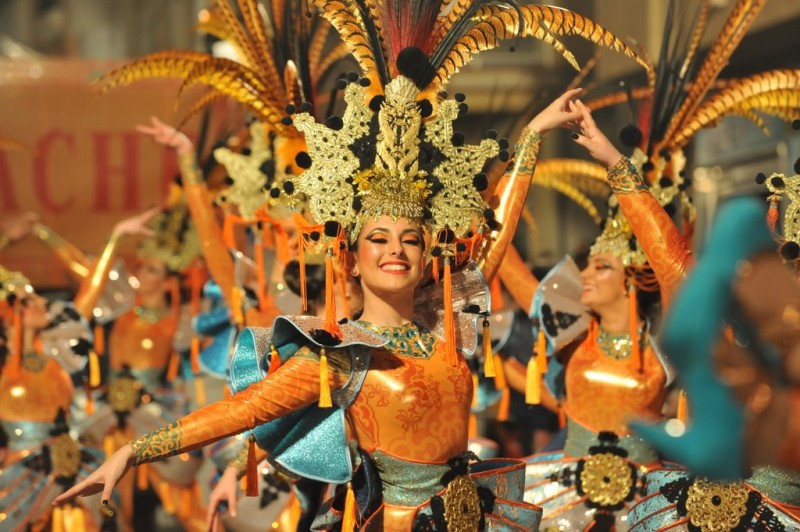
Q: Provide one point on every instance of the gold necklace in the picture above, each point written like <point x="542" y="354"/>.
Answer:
<point x="616" y="345"/>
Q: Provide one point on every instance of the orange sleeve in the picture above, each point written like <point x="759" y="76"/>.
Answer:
<point x="508" y="201"/>
<point x="662" y="243"/>
<point x="95" y="282"/>
<point x="295" y="385"/>
<point x="215" y="251"/>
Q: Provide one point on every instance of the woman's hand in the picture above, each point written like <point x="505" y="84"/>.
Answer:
<point x="226" y="491"/>
<point x="557" y="114"/>
<point x="137" y="225"/>
<point x="18" y="227"/>
<point x="167" y="135"/>
<point x="104" y="478"/>
<point x="593" y="139"/>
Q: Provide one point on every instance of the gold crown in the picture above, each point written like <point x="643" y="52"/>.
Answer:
<point x="13" y="283"/>
<point x="175" y="241"/>
<point x="410" y="167"/>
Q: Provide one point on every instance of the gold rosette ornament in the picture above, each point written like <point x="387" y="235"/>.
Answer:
<point x="714" y="507"/>
<point x="65" y="455"/>
<point x="606" y="479"/>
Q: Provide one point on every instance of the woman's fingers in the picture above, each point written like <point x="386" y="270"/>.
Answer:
<point x="88" y="486"/>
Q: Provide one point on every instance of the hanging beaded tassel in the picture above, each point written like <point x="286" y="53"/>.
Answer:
<point x="349" y="516"/>
<point x="449" y="320"/>
<point x="488" y="357"/>
<point x="683" y="407"/>
<point x="324" y="384"/>
<point x="633" y="317"/>
<point x="15" y="357"/>
<point x="331" y="325"/>
<point x="251" y="475"/>
<point x="502" y="385"/>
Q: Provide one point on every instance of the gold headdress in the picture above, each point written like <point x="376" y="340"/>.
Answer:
<point x="175" y="241"/>
<point x="782" y="186"/>
<point x="13" y="284"/>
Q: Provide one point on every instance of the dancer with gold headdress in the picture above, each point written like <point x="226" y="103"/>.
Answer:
<point x="379" y="179"/>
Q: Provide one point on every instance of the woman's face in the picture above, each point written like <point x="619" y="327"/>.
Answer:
<point x="390" y="255"/>
<point x="34" y="313"/>
<point x="153" y="276"/>
<point x="603" y="282"/>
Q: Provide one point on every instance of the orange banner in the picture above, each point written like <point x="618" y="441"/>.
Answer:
<point x="87" y="167"/>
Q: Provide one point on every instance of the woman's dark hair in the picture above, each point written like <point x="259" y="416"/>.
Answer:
<point x="315" y="280"/>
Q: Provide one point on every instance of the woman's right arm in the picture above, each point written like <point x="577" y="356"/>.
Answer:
<point x="518" y="279"/>
<point x="295" y="385"/>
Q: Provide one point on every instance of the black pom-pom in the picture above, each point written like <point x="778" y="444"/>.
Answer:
<point x="291" y="109"/>
<point x="228" y="180"/>
<point x="436" y="251"/>
<point x="458" y="139"/>
<point x="314" y="235"/>
<point x="446" y="236"/>
<point x="286" y="120"/>
<point x="461" y="247"/>
<point x="665" y="182"/>
<point x="334" y="122"/>
<point x="472" y="309"/>
<point x="760" y="178"/>
<point x="503" y="144"/>
<point x="352" y="76"/>
<point x="491" y="134"/>
<point x="364" y="82"/>
<point x="275" y="193"/>
<point x="80" y="346"/>
<point x="341" y="84"/>
<point x="426" y="214"/>
<point x="632" y="243"/>
<point x="222" y="198"/>
<point x="246" y="152"/>
<point x="777" y="182"/>
<point x="790" y="250"/>
<point x="415" y="65"/>
<point x="797" y="166"/>
<point x="796" y="124"/>
<point x="267" y="168"/>
<point x="376" y="102"/>
<point x="488" y="214"/>
<point x="480" y="182"/>
<point x="492" y="224"/>
<point x="460" y="97"/>
<point x="425" y="108"/>
<point x="332" y="229"/>
<point x="303" y="160"/>
<point x="288" y="187"/>
<point x="687" y="182"/>
<point x="669" y="208"/>
<point x="443" y="95"/>
<point x="630" y="136"/>
<point x="462" y="109"/>
<point x="323" y="337"/>
<point x="648" y="167"/>
<point x="503" y="156"/>
<point x="436" y="187"/>
<point x="306" y="107"/>
<point x="356" y="204"/>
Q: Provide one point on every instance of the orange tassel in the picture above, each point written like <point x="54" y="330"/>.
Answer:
<point x="562" y="417"/>
<point x="109" y="447"/>
<point x="349" y="518"/>
<point x="449" y="321"/>
<point x="99" y="339"/>
<point x="472" y="427"/>
<point x="331" y="324"/>
<point x="274" y="360"/>
<point x="302" y="226"/>
<point x="773" y="213"/>
<point x="683" y="407"/>
<point x="252" y="469"/>
<point x="89" y="400"/>
<point x="141" y="477"/>
<point x="488" y="357"/>
<point x="94" y="370"/>
<point x="541" y="352"/>
<point x="199" y="391"/>
<point x="166" y="497"/>
<point x="324" y="384"/>
<point x="633" y="317"/>
<point x="341" y="282"/>
<point x="77" y="519"/>
<point x="14" y="360"/>
<point x="496" y="291"/>
<point x="195" y="354"/>
<point x="533" y="387"/>
<point x="186" y="503"/>
<point x="237" y="301"/>
<point x="260" y="274"/>
<point x="281" y="244"/>
<point x="57" y="520"/>
<point x="174" y="365"/>
<point x="502" y="385"/>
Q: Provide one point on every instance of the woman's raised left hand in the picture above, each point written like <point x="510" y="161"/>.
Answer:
<point x="592" y="138"/>
<point x="559" y="113"/>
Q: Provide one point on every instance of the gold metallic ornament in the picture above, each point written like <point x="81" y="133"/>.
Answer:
<point x="13" y="283"/>
<point x="462" y="505"/>
<point x="175" y="241"/>
<point x="714" y="507"/>
<point x="123" y="394"/>
<point x="65" y="455"/>
<point x="606" y="479"/>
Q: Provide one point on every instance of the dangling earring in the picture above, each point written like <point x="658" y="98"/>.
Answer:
<point x="354" y="271"/>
